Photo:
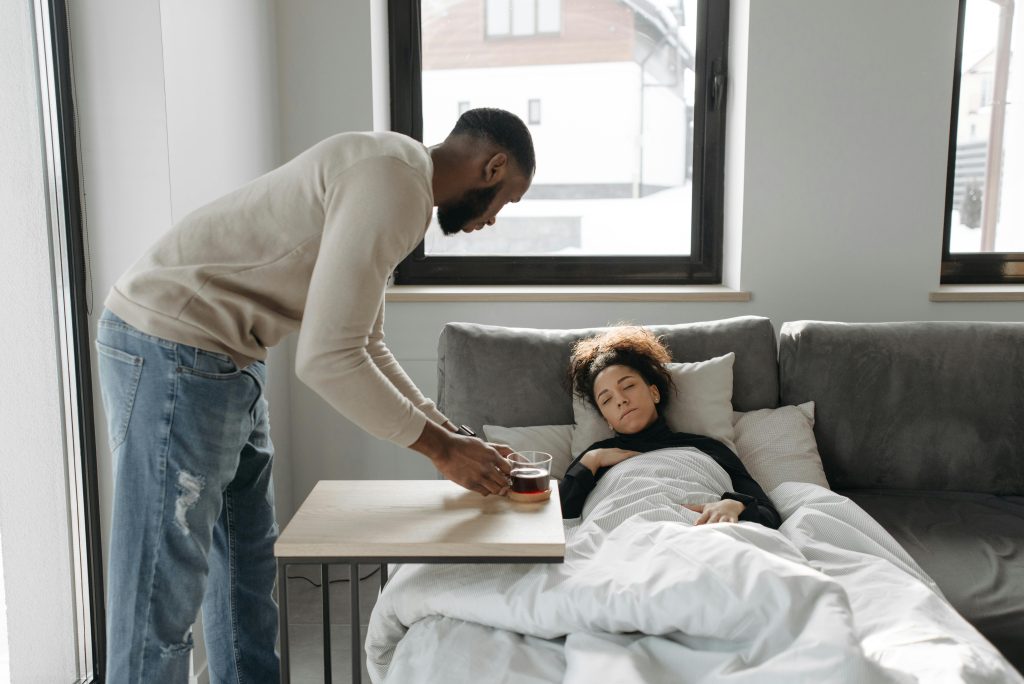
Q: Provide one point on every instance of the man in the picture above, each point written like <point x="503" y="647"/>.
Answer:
<point x="307" y="247"/>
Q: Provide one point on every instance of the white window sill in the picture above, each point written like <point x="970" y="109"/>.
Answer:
<point x="977" y="293"/>
<point x="565" y="293"/>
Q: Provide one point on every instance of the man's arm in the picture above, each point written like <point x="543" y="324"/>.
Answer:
<point x="375" y="213"/>
<point x="388" y="365"/>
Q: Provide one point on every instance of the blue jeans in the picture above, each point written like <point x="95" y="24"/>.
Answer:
<point x="193" y="520"/>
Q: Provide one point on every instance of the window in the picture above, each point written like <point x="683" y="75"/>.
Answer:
<point x="628" y="187"/>
<point x="534" y="108"/>
<point x="70" y="266"/>
<point x="522" y="17"/>
<point x="984" y="224"/>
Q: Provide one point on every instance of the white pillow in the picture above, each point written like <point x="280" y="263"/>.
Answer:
<point x="778" y="445"/>
<point x="552" y="439"/>
<point x="702" y="405"/>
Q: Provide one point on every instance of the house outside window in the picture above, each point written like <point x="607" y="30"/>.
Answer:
<point x="629" y="174"/>
<point x="984" y="225"/>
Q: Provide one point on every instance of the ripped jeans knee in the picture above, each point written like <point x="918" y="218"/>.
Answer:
<point x="179" y="649"/>
<point x="190" y="487"/>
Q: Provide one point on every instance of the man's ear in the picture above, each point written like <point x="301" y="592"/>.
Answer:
<point x="495" y="168"/>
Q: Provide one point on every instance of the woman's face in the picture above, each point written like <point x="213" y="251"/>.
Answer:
<point x="625" y="399"/>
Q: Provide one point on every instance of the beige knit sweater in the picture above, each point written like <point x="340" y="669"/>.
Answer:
<point x="309" y="247"/>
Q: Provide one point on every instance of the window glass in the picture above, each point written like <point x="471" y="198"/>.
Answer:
<point x="524" y="17"/>
<point x="615" y="153"/>
<point x="987" y="209"/>
<point x="498" y="16"/>
<point x="549" y="16"/>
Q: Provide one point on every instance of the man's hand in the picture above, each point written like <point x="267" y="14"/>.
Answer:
<point x="726" y="510"/>
<point x="599" y="458"/>
<point x="466" y="461"/>
<point x="503" y="449"/>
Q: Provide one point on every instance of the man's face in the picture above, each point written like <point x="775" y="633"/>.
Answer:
<point x="467" y="210"/>
<point x="479" y="207"/>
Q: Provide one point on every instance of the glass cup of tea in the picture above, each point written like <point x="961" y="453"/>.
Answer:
<point x="530" y="479"/>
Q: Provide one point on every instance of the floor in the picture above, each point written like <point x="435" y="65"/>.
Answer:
<point x="305" y="620"/>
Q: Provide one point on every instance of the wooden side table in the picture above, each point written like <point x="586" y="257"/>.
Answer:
<point x="406" y="521"/>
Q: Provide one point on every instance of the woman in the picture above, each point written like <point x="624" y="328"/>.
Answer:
<point x="622" y="373"/>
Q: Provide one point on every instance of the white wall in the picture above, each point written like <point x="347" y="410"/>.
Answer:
<point x="836" y="186"/>
<point x="5" y="650"/>
<point x="324" y="70"/>
<point x="36" y="563"/>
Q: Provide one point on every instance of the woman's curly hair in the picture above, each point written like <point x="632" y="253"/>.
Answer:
<point x="623" y="345"/>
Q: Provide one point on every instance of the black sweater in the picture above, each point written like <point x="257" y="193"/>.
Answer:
<point x="579" y="481"/>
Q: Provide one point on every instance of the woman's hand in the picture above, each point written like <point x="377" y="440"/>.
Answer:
<point x="725" y="510"/>
<point x="600" y="458"/>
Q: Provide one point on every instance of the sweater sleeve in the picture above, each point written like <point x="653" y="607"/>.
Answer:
<point x="761" y="510"/>
<point x="389" y="366"/>
<point x="574" y="489"/>
<point x="375" y="213"/>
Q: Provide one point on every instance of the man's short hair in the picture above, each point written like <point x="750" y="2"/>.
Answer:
<point x="504" y="129"/>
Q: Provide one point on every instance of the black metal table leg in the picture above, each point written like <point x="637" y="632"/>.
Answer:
<point x="383" y="575"/>
<point x="282" y="618"/>
<point x="357" y="661"/>
<point x="325" y="593"/>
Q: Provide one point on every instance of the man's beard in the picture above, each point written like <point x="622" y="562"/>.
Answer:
<point x="455" y="216"/>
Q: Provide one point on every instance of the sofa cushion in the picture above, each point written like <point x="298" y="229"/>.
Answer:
<point x="972" y="545"/>
<point x="517" y="376"/>
<point x="929" y="406"/>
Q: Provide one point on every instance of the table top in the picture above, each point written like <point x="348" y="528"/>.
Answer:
<point x="420" y="520"/>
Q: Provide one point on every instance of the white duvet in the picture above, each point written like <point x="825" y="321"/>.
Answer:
<point x="645" y="596"/>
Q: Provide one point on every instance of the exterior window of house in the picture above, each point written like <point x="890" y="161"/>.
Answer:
<point x="522" y="17"/>
<point x="499" y="17"/>
<point x="984" y="227"/>
<point x="628" y="185"/>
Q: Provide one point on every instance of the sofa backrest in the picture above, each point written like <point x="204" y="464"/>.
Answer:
<point x="926" y="406"/>
<point x="516" y="376"/>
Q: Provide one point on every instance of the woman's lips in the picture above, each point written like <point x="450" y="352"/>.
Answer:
<point x="627" y="413"/>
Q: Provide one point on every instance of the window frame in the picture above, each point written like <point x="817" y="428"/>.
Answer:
<point x="702" y="266"/>
<point x="69" y="243"/>
<point x="970" y="268"/>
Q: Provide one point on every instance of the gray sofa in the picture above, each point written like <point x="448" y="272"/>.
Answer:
<point x="921" y="424"/>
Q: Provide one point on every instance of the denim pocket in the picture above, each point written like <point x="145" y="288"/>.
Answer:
<point x="120" y="373"/>
<point x="207" y="364"/>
